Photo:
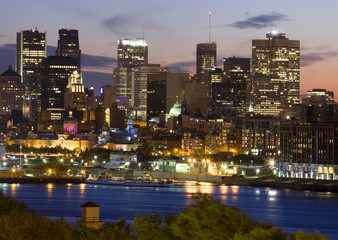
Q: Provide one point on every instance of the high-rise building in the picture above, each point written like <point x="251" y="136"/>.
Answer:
<point x="31" y="49"/>
<point x="205" y="61"/>
<point x="139" y="76"/>
<point x="55" y="74"/>
<point x="318" y="97"/>
<point x="278" y="57"/>
<point x="130" y="53"/>
<point x="12" y="92"/>
<point x="163" y="90"/>
<point x="236" y="73"/>
<point x="68" y="45"/>
<point x="75" y="96"/>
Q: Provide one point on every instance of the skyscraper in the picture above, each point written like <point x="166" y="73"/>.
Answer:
<point x="236" y="73"/>
<point x="163" y="90"/>
<point x="139" y="76"/>
<point x="55" y="74"/>
<point x="68" y="45"/>
<point x="31" y="49"/>
<point x="130" y="53"/>
<point x="278" y="57"/>
<point x="75" y="96"/>
<point x="205" y="61"/>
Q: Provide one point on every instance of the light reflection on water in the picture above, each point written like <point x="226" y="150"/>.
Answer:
<point x="292" y="210"/>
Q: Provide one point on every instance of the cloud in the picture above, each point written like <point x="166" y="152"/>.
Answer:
<point x="118" y="24"/>
<point x="186" y="66"/>
<point x="96" y="70"/>
<point x="307" y="59"/>
<point x="1" y="36"/>
<point x="261" y="21"/>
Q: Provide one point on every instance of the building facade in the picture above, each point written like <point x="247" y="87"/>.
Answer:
<point x="75" y="96"/>
<point x="163" y="90"/>
<point x="54" y="79"/>
<point x="278" y="57"/>
<point x="205" y="61"/>
<point x="31" y="50"/>
<point x="68" y="45"/>
<point x="12" y="92"/>
<point x="130" y="53"/>
<point x="308" y="150"/>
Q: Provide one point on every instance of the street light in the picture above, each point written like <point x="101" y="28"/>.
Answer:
<point x="20" y="157"/>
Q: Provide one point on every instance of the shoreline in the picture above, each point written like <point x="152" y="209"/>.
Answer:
<point x="40" y="180"/>
<point x="279" y="183"/>
<point x="282" y="183"/>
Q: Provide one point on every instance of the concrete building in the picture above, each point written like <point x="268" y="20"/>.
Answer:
<point x="31" y="50"/>
<point x="12" y="92"/>
<point x="130" y="53"/>
<point x="68" y="45"/>
<point x="139" y="76"/>
<point x="75" y="96"/>
<point x="308" y="150"/>
<point x="54" y="79"/>
<point x="163" y="90"/>
<point x="205" y="61"/>
<point x="260" y="136"/>
<point x="278" y="59"/>
<point x="318" y="97"/>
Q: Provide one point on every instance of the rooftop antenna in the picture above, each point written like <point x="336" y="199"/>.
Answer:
<point x="143" y="30"/>
<point x="209" y="26"/>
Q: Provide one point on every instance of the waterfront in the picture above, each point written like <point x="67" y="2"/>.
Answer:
<point x="291" y="210"/>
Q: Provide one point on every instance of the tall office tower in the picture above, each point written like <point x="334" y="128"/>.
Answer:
<point x="205" y="61"/>
<point x="139" y="76"/>
<point x="54" y="79"/>
<point x="130" y="53"/>
<point x="12" y="92"/>
<point x="236" y="73"/>
<point x="75" y="96"/>
<point x="68" y="45"/>
<point x="278" y="57"/>
<point x="163" y="90"/>
<point x="30" y="50"/>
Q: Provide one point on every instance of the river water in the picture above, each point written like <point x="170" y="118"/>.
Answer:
<point x="288" y="209"/>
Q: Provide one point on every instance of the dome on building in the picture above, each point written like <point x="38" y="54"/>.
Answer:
<point x="70" y="124"/>
<point x="176" y="110"/>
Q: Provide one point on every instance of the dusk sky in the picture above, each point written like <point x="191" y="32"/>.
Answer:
<point x="173" y="28"/>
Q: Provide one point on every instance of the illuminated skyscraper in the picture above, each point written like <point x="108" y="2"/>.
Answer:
<point x="55" y="73"/>
<point x="277" y="58"/>
<point x="205" y="61"/>
<point x="31" y="49"/>
<point x="75" y="96"/>
<point x="130" y="53"/>
<point x="68" y="45"/>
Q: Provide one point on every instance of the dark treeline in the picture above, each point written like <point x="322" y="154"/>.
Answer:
<point x="205" y="218"/>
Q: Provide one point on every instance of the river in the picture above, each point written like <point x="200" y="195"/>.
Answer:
<point x="288" y="209"/>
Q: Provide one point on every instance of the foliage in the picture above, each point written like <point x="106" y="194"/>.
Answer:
<point x="145" y="151"/>
<point x="50" y="167"/>
<point x="205" y="218"/>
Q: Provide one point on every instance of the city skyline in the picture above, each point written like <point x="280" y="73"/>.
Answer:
<point x="172" y="30"/>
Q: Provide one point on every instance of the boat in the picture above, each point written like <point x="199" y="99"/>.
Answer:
<point x="130" y="183"/>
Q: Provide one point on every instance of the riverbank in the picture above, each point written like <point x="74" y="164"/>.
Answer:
<point x="41" y="180"/>
<point x="271" y="181"/>
<point x="285" y="183"/>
